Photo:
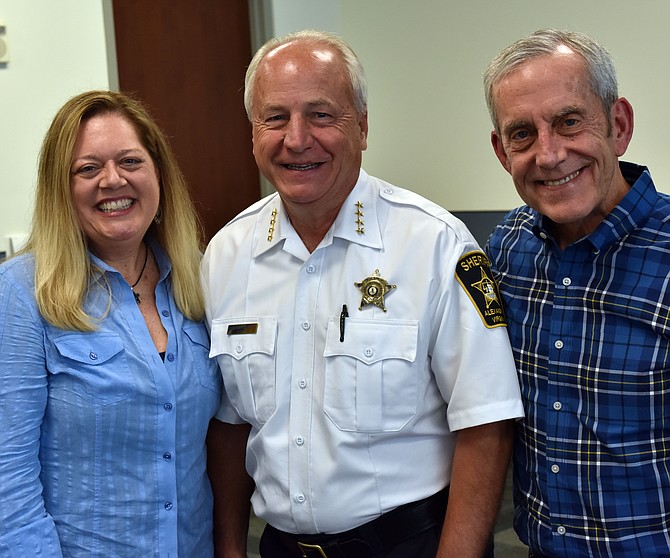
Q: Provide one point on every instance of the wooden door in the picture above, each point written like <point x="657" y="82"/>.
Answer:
<point x="186" y="60"/>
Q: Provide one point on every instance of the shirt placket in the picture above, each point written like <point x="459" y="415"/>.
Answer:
<point x="303" y="385"/>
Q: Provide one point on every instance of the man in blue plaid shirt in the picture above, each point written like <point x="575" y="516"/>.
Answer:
<point x="584" y="269"/>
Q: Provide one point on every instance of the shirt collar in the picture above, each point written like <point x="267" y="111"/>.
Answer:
<point x="356" y="222"/>
<point x="160" y="256"/>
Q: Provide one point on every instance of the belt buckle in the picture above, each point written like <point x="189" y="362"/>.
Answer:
<point x="304" y="547"/>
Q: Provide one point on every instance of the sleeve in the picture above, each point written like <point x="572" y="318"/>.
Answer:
<point x="26" y="529"/>
<point x="471" y="354"/>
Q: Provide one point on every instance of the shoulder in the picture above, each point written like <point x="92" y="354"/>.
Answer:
<point x="408" y="204"/>
<point x="19" y="270"/>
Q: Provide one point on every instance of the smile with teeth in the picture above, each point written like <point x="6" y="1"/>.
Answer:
<point x="116" y="205"/>
<point x="562" y="180"/>
<point x="306" y="166"/>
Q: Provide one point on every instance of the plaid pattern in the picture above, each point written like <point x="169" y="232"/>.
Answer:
<point x="590" y="327"/>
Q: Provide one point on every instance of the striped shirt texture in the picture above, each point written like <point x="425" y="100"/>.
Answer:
<point x="590" y="329"/>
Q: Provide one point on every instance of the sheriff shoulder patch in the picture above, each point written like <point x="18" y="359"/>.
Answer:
<point x="473" y="272"/>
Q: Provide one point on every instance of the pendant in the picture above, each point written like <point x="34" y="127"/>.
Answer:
<point x="137" y="297"/>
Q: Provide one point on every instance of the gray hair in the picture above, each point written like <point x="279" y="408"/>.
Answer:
<point x="600" y="71"/>
<point x="353" y="66"/>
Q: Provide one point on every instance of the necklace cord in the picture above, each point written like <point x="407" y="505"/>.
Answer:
<point x="144" y="265"/>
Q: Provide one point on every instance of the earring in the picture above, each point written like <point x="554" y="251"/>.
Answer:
<point x="158" y="218"/>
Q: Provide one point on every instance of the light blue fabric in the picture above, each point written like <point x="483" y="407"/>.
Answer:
<point x="102" y="444"/>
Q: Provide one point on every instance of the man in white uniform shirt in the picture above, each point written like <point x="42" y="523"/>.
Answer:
<point x="367" y="369"/>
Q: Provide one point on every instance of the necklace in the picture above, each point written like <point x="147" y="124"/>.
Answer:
<point x="144" y="265"/>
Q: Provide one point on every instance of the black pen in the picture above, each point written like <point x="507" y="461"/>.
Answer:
<point x="343" y="315"/>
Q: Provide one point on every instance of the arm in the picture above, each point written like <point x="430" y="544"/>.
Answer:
<point x="232" y="487"/>
<point x="26" y="528"/>
<point x="478" y="477"/>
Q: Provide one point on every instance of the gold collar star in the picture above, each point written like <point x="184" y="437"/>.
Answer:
<point x="374" y="288"/>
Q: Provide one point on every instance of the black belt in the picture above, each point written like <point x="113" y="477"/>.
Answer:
<point x="378" y="535"/>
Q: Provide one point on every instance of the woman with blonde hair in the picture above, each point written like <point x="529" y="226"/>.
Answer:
<point x="106" y="388"/>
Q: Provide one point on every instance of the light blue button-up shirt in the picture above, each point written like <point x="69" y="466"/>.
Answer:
<point x="102" y="443"/>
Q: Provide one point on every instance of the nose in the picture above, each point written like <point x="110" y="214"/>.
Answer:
<point x="550" y="149"/>
<point x="111" y="177"/>
<point x="297" y="134"/>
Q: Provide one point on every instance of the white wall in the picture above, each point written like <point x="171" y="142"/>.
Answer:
<point x="57" y="49"/>
<point x="429" y="128"/>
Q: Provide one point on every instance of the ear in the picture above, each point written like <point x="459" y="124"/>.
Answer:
<point x="363" y="126"/>
<point x="499" y="150"/>
<point x="622" y="125"/>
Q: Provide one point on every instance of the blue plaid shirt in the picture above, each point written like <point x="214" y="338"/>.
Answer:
<point x="590" y="328"/>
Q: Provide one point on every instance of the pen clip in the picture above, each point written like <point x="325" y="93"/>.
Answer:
<point x="343" y="316"/>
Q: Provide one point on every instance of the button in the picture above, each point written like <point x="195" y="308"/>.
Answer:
<point x="166" y="313"/>
<point x="300" y="498"/>
<point x="170" y="357"/>
<point x="368" y="352"/>
<point x="167" y="407"/>
<point x="561" y="530"/>
<point x="388" y="191"/>
<point x="92" y="356"/>
<point x="306" y="326"/>
<point x="555" y="468"/>
<point x="311" y="269"/>
<point x="239" y="349"/>
<point x="543" y="235"/>
<point x="299" y="440"/>
<point x="558" y="405"/>
<point x="302" y="384"/>
<point x="167" y="456"/>
<point x="567" y="281"/>
<point x="168" y="506"/>
<point x="558" y="344"/>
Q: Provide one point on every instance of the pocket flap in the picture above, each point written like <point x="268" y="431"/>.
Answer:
<point x="373" y="340"/>
<point x="89" y="349"/>
<point x="239" y="337"/>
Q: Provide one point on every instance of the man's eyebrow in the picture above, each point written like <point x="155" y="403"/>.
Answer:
<point x="510" y="127"/>
<point x="572" y="109"/>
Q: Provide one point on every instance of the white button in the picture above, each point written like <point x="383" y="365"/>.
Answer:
<point x="300" y="440"/>
<point x="302" y="384"/>
<point x="388" y="191"/>
<point x="555" y="468"/>
<point x="305" y="326"/>
<point x="310" y="269"/>
<point x="558" y="405"/>
<point x="238" y="349"/>
<point x="558" y="344"/>
<point x="567" y="281"/>
<point x="368" y="352"/>
<point x="561" y="530"/>
<point x="543" y="235"/>
<point x="300" y="498"/>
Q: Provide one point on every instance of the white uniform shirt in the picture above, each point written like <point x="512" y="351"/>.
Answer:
<point x="343" y="431"/>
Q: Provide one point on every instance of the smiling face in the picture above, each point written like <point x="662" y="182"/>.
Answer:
<point x="308" y="137"/>
<point x="558" y="144"/>
<point x="115" y="186"/>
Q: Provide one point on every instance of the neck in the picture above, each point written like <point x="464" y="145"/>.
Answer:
<point x="311" y="229"/>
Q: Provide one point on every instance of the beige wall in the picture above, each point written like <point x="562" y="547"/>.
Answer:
<point x="429" y="128"/>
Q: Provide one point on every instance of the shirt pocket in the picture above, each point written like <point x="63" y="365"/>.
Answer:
<point x="371" y="383"/>
<point x="93" y="366"/>
<point x="245" y="348"/>
<point x="207" y="369"/>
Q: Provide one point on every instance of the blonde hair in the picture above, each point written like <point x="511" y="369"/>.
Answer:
<point x="63" y="271"/>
